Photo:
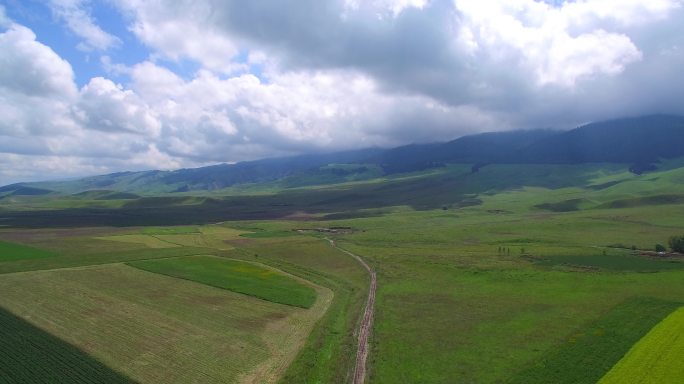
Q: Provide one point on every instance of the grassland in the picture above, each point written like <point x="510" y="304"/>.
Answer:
<point x="451" y="305"/>
<point x="154" y="328"/>
<point x="656" y="358"/>
<point x="237" y="276"/>
<point x="12" y="252"/>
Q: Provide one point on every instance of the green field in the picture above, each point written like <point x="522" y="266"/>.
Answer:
<point x="590" y="352"/>
<point x="656" y="358"/>
<point x="12" y="252"/>
<point x="613" y="262"/>
<point x="236" y="276"/>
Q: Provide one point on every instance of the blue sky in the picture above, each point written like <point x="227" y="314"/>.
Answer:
<point x="90" y="87"/>
<point x="87" y="63"/>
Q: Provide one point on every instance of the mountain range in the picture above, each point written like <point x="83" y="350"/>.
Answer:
<point x="639" y="142"/>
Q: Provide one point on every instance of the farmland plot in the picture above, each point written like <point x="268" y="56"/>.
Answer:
<point x="656" y="358"/>
<point x="237" y="276"/>
<point x="13" y="252"/>
<point x="598" y="346"/>
<point x="155" y="329"/>
<point x="31" y="355"/>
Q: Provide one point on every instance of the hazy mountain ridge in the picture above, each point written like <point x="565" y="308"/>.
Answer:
<point x="637" y="141"/>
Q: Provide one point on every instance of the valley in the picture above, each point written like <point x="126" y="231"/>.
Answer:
<point x="514" y="273"/>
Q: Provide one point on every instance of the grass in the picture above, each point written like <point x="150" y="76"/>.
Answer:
<point x="450" y="308"/>
<point x="31" y="355"/>
<point x="13" y="252"/>
<point x="591" y="351"/>
<point x="236" y="276"/>
<point x="328" y="355"/>
<point x="615" y="262"/>
<point x="656" y="358"/>
<point x="169" y="230"/>
<point x="157" y="329"/>
<point x="268" y="234"/>
<point x="106" y="255"/>
<point x="148" y="241"/>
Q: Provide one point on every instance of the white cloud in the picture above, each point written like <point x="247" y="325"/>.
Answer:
<point x="182" y="31"/>
<point x="625" y="12"/>
<point x="393" y="6"/>
<point x="291" y="112"/>
<point x="106" y="106"/>
<point x="32" y="68"/>
<point x="36" y="87"/>
<point x="77" y="18"/>
<point x="559" y="45"/>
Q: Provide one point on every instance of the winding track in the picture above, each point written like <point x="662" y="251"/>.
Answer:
<point x="366" y="322"/>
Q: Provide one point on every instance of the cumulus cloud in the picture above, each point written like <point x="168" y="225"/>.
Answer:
<point x="246" y="117"/>
<point x="182" y="30"/>
<point x="539" y="36"/>
<point x="51" y="129"/>
<point x="30" y="67"/>
<point x="106" y="106"/>
<point x="75" y="15"/>
<point x="36" y="89"/>
<point x="492" y="54"/>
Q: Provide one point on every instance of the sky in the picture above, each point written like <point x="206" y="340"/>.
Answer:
<point x="91" y="87"/>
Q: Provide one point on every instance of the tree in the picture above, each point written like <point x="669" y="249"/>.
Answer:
<point x="677" y="244"/>
<point x="660" y="248"/>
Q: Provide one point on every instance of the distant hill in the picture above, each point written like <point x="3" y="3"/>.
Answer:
<point x="485" y="148"/>
<point x="635" y="140"/>
<point x="202" y="179"/>
<point x="638" y="142"/>
<point x="23" y="190"/>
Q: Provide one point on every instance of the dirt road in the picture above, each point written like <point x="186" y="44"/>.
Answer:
<point x="366" y="323"/>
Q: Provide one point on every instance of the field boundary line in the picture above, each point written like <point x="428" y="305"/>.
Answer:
<point x="366" y="325"/>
